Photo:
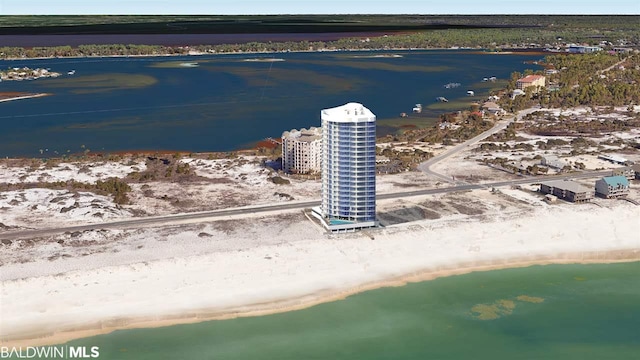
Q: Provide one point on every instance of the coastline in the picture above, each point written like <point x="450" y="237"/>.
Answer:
<point x="312" y="271"/>
<point x="25" y="97"/>
<point x="304" y="302"/>
<point x="506" y="51"/>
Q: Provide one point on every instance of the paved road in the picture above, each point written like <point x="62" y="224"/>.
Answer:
<point x="499" y="126"/>
<point x="167" y="220"/>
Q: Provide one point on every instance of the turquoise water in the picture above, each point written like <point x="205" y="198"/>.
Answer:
<point x="540" y="312"/>
<point x="226" y="103"/>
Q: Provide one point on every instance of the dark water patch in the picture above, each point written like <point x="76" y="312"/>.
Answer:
<point x="378" y="65"/>
<point x="278" y="80"/>
<point x="102" y="82"/>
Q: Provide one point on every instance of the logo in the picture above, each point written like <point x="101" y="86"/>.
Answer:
<point x="50" y="352"/>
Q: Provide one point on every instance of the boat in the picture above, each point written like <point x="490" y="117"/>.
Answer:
<point x="470" y="93"/>
<point x="417" y="108"/>
<point x="442" y="99"/>
<point x="71" y="72"/>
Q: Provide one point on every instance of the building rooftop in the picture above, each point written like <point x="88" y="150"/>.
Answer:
<point x="567" y="185"/>
<point x="531" y="78"/>
<point x="351" y="112"/>
<point x="613" y="157"/>
<point x="309" y="138"/>
<point x="490" y="105"/>
<point x="616" y="181"/>
<point x="305" y="135"/>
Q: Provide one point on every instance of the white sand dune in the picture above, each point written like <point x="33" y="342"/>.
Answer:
<point x="299" y="266"/>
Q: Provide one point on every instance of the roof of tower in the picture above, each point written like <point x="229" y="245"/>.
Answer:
<point x="351" y="112"/>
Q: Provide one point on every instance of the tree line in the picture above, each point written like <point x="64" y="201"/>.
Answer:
<point x="598" y="79"/>
<point x="488" y="38"/>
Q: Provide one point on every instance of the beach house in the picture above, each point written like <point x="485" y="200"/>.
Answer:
<point x="612" y="186"/>
<point x="627" y="172"/>
<point x="567" y="190"/>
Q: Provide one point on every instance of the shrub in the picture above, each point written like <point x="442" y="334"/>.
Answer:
<point x="279" y="180"/>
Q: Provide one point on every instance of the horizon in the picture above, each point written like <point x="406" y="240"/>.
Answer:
<point x="333" y="7"/>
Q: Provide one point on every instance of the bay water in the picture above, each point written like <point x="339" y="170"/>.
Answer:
<point x="229" y="102"/>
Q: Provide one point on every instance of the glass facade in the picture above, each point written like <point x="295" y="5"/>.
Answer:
<point x="348" y="164"/>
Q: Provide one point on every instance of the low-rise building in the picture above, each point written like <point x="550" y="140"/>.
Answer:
<point x="614" y="159"/>
<point x="627" y="172"/>
<point x="492" y="108"/>
<point x="636" y="169"/>
<point x="612" y="186"/>
<point x="553" y="161"/>
<point x="579" y="49"/>
<point x="302" y="151"/>
<point x="531" y="80"/>
<point x="567" y="190"/>
<point x="382" y="160"/>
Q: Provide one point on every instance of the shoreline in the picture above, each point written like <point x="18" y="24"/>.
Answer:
<point x="252" y="272"/>
<point x="310" y="300"/>
<point x="25" y="97"/>
<point x="506" y="51"/>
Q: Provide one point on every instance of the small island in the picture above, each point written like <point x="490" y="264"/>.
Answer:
<point x="26" y="73"/>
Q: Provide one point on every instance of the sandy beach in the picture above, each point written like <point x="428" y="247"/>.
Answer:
<point x="291" y="265"/>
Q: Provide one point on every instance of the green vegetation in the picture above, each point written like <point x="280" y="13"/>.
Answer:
<point x="400" y="159"/>
<point x="116" y="187"/>
<point x="598" y="79"/>
<point x="453" y="127"/>
<point x="279" y="180"/>
<point x="400" y="31"/>
<point x="112" y="186"/>
<point x="164" y="169"/>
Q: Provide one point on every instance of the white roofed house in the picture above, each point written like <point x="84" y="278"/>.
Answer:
<point x="553" y="161"/>
<point x="493" y="108"/>
<point x="616" y="159"/>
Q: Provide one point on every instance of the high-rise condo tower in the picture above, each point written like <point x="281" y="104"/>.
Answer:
<point x="348" y="168"/>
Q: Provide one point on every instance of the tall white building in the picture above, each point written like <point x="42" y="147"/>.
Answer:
<point x="348" y="168"/>
<point x="302" y="150"/>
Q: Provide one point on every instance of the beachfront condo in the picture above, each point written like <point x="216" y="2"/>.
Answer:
<point x="348" y="168"/>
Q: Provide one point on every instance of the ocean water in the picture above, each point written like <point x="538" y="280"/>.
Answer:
<point x="223" y="102"/>
<point x="540" y="312"/>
